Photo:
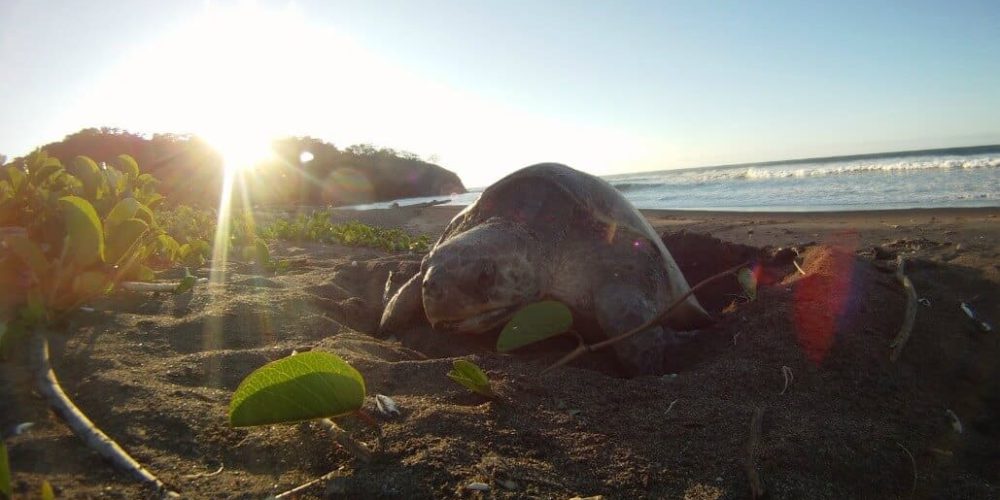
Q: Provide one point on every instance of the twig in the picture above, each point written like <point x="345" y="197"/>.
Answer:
<point x="205" y="474"/>
<point x="913" y="462"/>
<point x="302" y="487"/>
<point x="142" y="286"/>
<point x="789" y="378"/>
<point x="797" y="266"/>
<point x="909" y="316"/>
<point x="353" y="446"/>
<point x="583" y="348"/>
<point x="94" y="438"/>
<point x="671" y="407"/>
<point x="756" y="424"/>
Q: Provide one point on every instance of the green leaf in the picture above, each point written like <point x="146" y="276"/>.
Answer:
<point x="45" y="169"/>
<point x="17" y="177"/>
<point x="534" y="323"/>
<point x="263" y="254"/>
<point x="168" y="245"/>
<point x="141" y="273"/>
<point x="186" y="283"/>
<point x="5" y="489"/>
<point x="303" y="386"/>
<point x="90" y="283"/>
<point x="46" y="492"/>
<point x="122" y="211"/>
<point x="33" y="311"/>
<point x="85" y="237"/>
<point x="122" y="238"/>
<point x="29" y="253"/>
<point x="471" y="377"/>
<point x="127" y="164"/>
<point x="749" y="282"/>
<point x="89" y="174"/>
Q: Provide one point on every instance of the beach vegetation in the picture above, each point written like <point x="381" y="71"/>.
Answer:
<point x="318" y="227"/>
<point x="748" y="282"/>
<point x="72" y="233"/>
<point x="472" y="377"/>
<point x="534" y="323"/>
<point x="303" y="386"/>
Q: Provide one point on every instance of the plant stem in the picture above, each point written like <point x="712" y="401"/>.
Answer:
<point x="94" y="438"/>
<point x="584" y="348"/>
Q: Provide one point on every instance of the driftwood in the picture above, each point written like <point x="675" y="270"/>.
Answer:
<point x="94" y="438"/>
<point x="909" y="316"/>
<point x="585" y="348"/>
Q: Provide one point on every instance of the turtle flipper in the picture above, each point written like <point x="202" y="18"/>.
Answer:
<point x="405" y="308"/>
<point x="689" y="316"/>
<point x="620" y="308"/>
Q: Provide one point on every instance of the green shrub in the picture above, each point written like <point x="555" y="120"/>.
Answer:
<point x="70" y="234"/>
<point x="317" y="227"/>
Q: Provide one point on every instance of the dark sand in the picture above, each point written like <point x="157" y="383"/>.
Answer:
<point x="156" y="373"/>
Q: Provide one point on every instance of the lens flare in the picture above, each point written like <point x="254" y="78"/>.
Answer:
<point x="822" y="295"/>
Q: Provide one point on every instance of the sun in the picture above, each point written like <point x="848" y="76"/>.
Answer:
<point x="241" y="148"/>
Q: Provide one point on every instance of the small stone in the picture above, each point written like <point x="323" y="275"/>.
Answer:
<point x="477" y="486"/>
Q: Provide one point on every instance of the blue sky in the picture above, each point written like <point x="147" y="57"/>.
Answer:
<point x="488" y="87"/>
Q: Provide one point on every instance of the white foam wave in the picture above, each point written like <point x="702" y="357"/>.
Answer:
<point x="803" y="170"/>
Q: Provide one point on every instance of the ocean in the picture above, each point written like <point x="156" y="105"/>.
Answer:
<point x="959" y="177"/>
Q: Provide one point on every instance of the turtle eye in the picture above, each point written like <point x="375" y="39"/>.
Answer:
<point x="487" y="276"/>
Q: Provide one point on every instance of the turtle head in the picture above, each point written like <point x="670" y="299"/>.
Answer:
<point x="477" y="279"/>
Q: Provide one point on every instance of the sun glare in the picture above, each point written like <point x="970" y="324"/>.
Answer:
<point x="242" y="149"/>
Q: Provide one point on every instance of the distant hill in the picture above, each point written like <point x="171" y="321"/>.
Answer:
<point x="191" y="171"/>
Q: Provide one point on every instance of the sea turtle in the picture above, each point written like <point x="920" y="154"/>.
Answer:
<point x="551" y="232"/>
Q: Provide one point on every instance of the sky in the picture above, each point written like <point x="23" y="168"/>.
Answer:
<point x="484" y="88"/>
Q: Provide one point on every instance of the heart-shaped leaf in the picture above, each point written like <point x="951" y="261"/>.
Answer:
<point x="749" y="282"/>
<point x="534" y="323"/>
<point x="85" y="243"/>
<point x="122" y="238"/>
<point x="303" y="386"/>
<point x="469" y="375"/>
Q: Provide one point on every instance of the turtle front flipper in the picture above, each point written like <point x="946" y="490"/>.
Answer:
<point x="405" y="308"/>
<point x="620" y="308"/>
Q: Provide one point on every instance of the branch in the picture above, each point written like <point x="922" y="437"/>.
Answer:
<point x="48" y="386"/>
<point x="909" y="316"/>
<point x="584" y="348"/>
<point x="353" y="446"/>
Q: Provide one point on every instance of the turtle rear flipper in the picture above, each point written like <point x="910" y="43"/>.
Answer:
<point x="689" y="316"/>
<point x="620" y="308"/>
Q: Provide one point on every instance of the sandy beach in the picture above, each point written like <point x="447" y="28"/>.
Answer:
<point x="811" y="355"/>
